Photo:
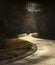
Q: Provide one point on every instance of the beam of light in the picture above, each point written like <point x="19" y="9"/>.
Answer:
<point x="30" y="18"/>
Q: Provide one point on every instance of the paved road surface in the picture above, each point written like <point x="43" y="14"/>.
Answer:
<point x="44" y="56"/>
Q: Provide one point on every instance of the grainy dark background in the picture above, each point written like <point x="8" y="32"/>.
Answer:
<point x="12" y="15"/>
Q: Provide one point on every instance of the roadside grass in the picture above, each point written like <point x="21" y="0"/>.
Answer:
<point x="14" y="47"/>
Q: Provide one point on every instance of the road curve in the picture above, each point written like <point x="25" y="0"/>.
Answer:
<point x="44" y="56"/>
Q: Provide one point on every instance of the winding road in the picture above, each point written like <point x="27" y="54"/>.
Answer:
<point x="45" y="55"/>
